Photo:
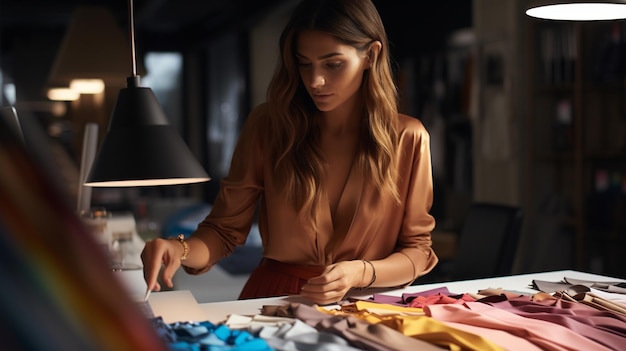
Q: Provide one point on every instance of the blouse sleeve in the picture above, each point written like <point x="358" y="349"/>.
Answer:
<point x="415" y="240"/>
<point x="233" y="211"/>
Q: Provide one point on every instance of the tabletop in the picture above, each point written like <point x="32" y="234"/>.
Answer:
<point x="172" y="305"/>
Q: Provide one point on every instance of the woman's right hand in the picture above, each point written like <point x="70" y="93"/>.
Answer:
<point x="160" y="252"/>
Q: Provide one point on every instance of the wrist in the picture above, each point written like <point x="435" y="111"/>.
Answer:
<point x="181" y="239"/>
<point x="367" y="276"/>
<point x="367" y="263"/>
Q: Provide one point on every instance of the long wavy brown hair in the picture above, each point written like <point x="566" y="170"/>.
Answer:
<point x="293" y="129"/>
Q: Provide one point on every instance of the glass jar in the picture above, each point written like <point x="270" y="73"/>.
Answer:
<point x="96" y="222"/>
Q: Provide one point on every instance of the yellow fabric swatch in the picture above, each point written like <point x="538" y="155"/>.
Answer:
<point x="407" y="321"/>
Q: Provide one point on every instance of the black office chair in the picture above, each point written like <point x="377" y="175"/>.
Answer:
<point x="486" y="247"/>
<point x="488" y="242"/>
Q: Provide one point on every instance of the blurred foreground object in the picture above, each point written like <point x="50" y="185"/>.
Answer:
<point x="58" y="290"/>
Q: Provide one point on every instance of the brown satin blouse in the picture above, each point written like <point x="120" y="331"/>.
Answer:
<point x="378" y="227"/>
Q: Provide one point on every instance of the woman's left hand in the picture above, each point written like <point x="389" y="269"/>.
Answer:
<point x="334" y="282"/>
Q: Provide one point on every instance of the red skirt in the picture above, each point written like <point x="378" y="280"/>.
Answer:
<point x="273" y="278"/>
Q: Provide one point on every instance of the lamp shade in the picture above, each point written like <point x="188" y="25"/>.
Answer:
<point x="92" y="31"/>
<point x="141" y="148"/>
<point x="577" y="10"/>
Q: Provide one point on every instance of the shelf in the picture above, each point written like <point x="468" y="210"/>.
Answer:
<point x="589" y="87"/>
<point x="569" y="221"/>
<point x="612" y="156"/>
<point x="612" y="236"/>
<point x="548" y="90"/>
<point x="551" y="157"/>
<point x="576" y="131"/>
<point x="616" y="158"/>
<point x="603" y="87"/>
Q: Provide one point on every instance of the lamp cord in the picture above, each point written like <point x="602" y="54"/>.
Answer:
<point x="131" y="20"/>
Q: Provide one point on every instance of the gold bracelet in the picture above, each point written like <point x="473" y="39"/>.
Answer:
<point x="181" y="239"/>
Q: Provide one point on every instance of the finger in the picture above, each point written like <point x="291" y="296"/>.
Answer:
<point x="319" y="280"/>
<point x="151" y="265"/>
<point x="328" y="275"/>
<point x="323" y="298"/>
<point x="168" y="272"/>
<point x="319" y="288"/>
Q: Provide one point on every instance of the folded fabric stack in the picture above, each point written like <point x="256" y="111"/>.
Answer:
<point x="561" y="316"/>
<point x="192" y="336"/>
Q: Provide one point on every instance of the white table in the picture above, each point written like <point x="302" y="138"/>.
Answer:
<point x="219" y="311"/>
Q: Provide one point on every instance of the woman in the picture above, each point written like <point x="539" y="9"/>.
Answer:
<point x="342" y="180"/>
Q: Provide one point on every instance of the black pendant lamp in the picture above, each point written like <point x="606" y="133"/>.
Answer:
<point x="577" y="10"/>
<point x="140" y="147"/>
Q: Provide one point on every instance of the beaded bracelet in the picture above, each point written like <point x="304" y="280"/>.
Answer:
<point x="181" y="239"/>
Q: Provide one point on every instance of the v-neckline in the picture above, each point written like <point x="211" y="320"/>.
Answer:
<point x="341" y="195"/>
<point x="337" y="231"/>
